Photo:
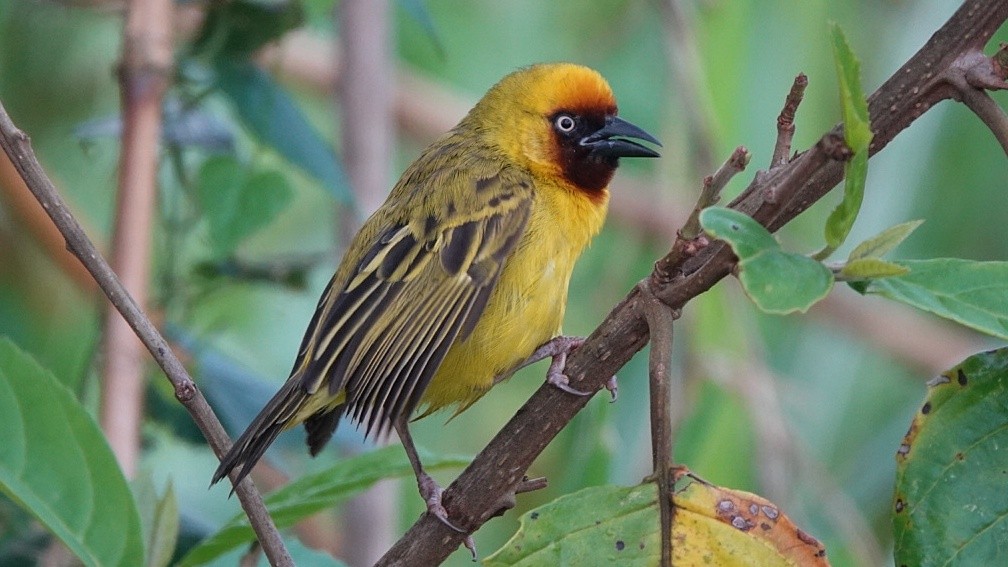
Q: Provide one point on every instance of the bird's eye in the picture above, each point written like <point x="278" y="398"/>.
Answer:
<point x="565" y="123"/>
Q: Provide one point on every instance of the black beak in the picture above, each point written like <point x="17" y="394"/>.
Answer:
<point x="610" y="140"/>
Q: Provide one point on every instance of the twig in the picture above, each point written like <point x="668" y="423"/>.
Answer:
<point x="710" y="193"/>
<point x="659" y="320"/>
<point x="785" y="121"/>
<point x="978" y="74"/>
<point x="690" y="239"/>
<point x="476" y="493"/>
<point x="365" y="91"/>
<point x="18" y="148"/>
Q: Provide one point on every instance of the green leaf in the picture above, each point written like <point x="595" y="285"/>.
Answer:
<point x="840" y="221"/>
<point x="165" y="530"/>
<point x="950" y="503"/>
<point x="602" y="525"/>
<point x="857" y="129"/>
<point x="610" y="525"/>
<point x="972" y="293"/>
<point x="56" y="464"/>
<point x="159" y="518"/>
<point x="871" y="268"/>
<point x="312" y="493"/>
<point x="777" y="281"/>
<point x="857" y="135"/>
<point x="237" y="202"/>
<point x="885" y="241"/>
<point x="274" y="117"/>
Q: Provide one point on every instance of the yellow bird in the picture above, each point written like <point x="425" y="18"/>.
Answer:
<point x="461" y="276"/>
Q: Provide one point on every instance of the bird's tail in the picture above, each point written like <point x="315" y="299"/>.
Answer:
<point x="263" y="430"/>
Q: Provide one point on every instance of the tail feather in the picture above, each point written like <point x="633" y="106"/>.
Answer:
<point x="263" y="430"/>
<point x="321" y="426"/>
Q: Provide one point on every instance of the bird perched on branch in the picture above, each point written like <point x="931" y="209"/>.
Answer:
<point x="461" y="276"/>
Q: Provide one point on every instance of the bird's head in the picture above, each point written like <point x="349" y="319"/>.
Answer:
<point x="560" y="120"/>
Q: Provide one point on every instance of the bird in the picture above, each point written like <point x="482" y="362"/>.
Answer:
<point x="461" y="276"/>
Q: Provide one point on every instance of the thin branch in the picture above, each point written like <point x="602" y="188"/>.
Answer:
<point x="365" y="91"/>
<point x="660" y="319"/>
<point x="710" y="193"/>
<point x="785" y="121"/>
<point x="18" y="148"/>
<point x="978" y="74"/>
<point x="476" y="493"/>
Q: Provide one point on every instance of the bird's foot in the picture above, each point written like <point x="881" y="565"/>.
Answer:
<point x="557" y="378"/>
<point x="558" y="349"/>
<point x="431" y="492"/>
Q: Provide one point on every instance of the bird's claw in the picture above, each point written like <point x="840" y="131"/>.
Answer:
<point x="555" y="375"/>
<point x="613" y="388"/>
<point x="431" y="492"/>
<point x="560" y="380"/>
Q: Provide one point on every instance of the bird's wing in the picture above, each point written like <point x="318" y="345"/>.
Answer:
<point x="421" y="286"/>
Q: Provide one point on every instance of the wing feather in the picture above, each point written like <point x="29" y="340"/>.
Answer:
<point x="429" y="262"/>
<point x="418" y="289"/>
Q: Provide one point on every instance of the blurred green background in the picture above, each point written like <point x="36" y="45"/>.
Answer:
<point x="805" y="410"/>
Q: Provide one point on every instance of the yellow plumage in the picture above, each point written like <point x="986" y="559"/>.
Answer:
<point x="464" y="270"/>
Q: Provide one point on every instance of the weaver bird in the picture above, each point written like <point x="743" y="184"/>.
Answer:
<point x="461" y="276"/>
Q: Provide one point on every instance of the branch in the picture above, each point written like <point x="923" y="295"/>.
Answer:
<point x="18" y="148"/>
<point x="785" y="122"/>
<point x="660" y="321"/>
<point x="476" y="493"/>
<point x="978" y="74"/>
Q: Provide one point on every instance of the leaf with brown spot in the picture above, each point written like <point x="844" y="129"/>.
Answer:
<point x="950" y="506"/>
<point x="610" y="525"/>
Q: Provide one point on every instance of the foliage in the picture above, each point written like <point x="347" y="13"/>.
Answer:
<point x="55" y="462"/>
<point x="949" y="505"/>
<point x="250" y="182"/>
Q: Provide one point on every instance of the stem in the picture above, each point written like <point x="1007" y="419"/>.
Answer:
<point x="785" y="121"/>
<point x="659" y="320"/>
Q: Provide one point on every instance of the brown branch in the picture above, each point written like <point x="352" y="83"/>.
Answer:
<point x="710" y="193"/>
<point x="17" y="147"/>
<point x="977" y="74"/>
<point x="785" y="121"/>
<point x="475" y="494"/>
<point x="660" y="320"/>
